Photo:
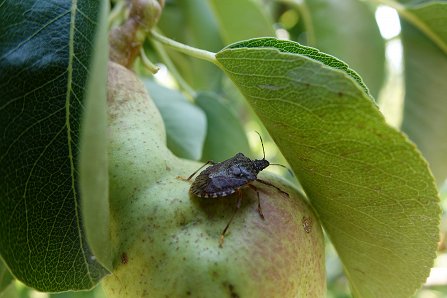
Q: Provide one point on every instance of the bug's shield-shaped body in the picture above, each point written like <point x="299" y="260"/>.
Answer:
<point x="224" y="178"/>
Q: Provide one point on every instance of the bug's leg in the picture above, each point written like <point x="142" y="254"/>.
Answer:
<point x="259" y="200"/>
<point x="238" y="205"/>
<point x="207" y="163"/>
<point x="269" y="184"/>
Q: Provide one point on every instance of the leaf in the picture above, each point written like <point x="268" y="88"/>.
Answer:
<point x="350" y="42"/>
<point x="202" y="25"/>
<point x="97" y="292"/>
<point x="429" y="18"/>
<point x="45" y="52"/>
<point x="185" y="123"/>
<point x="226" y="135"/>
<point x="296" y="48"/>
<point x="93" y="168"/>
<point x="5" y="278"/>
<point x="425" y="110"/>
<point x="371" y="188"/>
<point x="11" y="292"/>
<point x="241" y="19"/>
<point x="192" y="23"/>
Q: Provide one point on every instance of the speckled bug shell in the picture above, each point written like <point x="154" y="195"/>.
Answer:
<point x="224" y="178"/>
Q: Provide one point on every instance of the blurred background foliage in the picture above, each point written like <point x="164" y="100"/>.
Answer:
<point x="366" y="34"/>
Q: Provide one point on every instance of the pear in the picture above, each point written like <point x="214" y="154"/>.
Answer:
<point x="166" y="241"/>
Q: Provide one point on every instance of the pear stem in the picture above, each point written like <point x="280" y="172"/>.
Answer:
<point x="148" y="63"/>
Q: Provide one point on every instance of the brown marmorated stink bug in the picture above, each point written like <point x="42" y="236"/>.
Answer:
<point x="229" y="176"/>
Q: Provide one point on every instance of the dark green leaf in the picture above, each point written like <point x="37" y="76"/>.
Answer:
<point x="348" y="30"/>
<point x="185" y="123"/>
<point x="226" y="135"/>
<point x="45" y="55"/>
<point x="369" y="185"/>
<point x="425" y="110"/>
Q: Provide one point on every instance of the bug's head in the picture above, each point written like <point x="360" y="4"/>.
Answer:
<point x="260" y="164"/>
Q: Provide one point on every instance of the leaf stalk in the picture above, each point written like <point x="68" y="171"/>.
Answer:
<point x="188" y="50"/>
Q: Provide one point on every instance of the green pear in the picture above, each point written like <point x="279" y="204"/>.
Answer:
<point x="166" y="241"/>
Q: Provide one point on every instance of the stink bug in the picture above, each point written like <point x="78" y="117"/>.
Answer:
<point x="229" y="176"/>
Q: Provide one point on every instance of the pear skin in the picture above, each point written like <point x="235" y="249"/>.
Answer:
<point x="166" y="241"/>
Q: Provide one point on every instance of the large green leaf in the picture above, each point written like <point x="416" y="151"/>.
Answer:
<point x="425" y="58"/>
<point x="45" y="56"/>
<point x="369" y="185"/>
<point x="348" y="30"/>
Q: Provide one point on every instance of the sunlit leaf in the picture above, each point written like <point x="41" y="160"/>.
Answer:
<point x="369" y="185"/>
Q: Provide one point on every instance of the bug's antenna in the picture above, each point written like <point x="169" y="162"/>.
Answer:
<point x="262" y="143"/>
<point x="289" y="170"/>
